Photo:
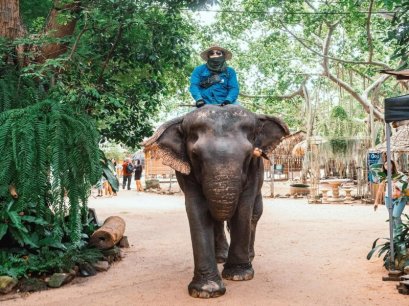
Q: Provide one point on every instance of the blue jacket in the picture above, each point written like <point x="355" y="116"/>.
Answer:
<point x="226" y="89"/>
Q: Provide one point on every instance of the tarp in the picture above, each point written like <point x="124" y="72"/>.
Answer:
<point x="397" y="108"/>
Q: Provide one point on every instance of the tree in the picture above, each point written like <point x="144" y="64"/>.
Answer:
<point x="73" y="72"/>
<point x="341" y="41"/>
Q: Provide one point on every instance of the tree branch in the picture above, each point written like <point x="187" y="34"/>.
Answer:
<point x="374" y="63"/>
<point x="56" y="29"/>
<point x="362" y="99"/>
<point x="299" y="92"/>
<point x="378" y="82"/>
<point x="368" y="32"/>
<point x="111" y="51"/>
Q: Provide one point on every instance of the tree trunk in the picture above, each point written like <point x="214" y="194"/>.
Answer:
<point x="55" y="29"/>
<point x="10" y="22"/>
<point x="109" y="234"/>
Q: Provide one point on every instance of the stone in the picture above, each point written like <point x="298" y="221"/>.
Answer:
<point x="58" y="279"/>
<point x="403" y="288"/>
<point x="393" y="275"/>
<point x="86" y="269"/>
<point x="7" y="284"/>
<point x="101" y="265"/>
<point x="112" y="254"/>
<point x="123" y="243"/>
<point x="406" y="270"/>
<point x="152" y="184"/>
<point x="32" y="285"/>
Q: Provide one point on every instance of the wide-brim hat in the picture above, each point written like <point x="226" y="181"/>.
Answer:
<point x="205" y="54"/>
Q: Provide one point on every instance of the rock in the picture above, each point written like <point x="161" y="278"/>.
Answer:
<point x="32" y="285"/>
<point x="86" y="269"/>
<point x="58" y="279"/>
<point x="406" y="270"/>
<point x="152" y="184"/>
<point x="101" y="266"/>
<point x="112" y="254"/>
<point x="7" y="284"/>
<point x="123" y="243"/>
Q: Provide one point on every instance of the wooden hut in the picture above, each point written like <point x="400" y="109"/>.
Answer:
<point x="285" y="163"/>
<point x="154" y="167"/>
<point x="399" y="147"/>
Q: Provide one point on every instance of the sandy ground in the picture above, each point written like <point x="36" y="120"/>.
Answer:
<point x="306" y="255"/>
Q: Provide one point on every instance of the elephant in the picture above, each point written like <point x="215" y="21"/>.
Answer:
<point x="213" y="150"/>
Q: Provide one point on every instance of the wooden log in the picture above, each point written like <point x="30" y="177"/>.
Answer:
<point x="109" y="234"/>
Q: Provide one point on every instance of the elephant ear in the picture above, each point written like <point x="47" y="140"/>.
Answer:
<point x="168" y="140"/>
<point x="269" y="133"/>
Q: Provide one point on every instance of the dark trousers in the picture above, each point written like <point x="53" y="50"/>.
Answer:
<point x="126" y="178"/>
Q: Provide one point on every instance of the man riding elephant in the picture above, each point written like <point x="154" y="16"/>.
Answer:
<point x="216" y="152"/>
<point x="214" y="82"/>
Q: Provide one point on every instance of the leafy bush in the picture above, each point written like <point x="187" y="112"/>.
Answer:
<point x="20" y="263"/>
<point x="400" y="244"/>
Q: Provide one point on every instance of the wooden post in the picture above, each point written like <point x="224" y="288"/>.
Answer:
<point x="272" y="177"/>
<point x="109" y="234"/>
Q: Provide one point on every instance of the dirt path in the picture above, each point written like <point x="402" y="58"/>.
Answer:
<point x="306" y="255"/>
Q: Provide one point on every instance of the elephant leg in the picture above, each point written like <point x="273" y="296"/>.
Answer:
<point x="206" y="282"/>
<point x="257" y="212"/>
<point x="238" y="265"/>
<point x="221" y="244"/>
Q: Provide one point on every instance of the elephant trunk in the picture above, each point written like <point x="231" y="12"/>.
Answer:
<point x="222" y="193"/>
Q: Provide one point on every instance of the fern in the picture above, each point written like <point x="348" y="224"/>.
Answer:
<point x="50" y="153"/>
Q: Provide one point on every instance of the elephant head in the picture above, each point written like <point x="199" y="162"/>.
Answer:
<point x="214" y="146"/>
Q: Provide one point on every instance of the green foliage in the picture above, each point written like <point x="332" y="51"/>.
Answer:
<point x="400" y="244"/>
<point x="20" y="263"/>
<point x="34" y="13"/>
<point x="20" y="226"/>
<point x="398" y="33"/>
<point x="338" y="112"/>
<point x="50" y="154"/>
<point x="130" y="57"/>
<point x="108" y="172"/>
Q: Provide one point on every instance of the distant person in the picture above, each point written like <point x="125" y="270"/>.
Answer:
<point x="100" y="186"/>
<point x="398" y="195"/>
<point x="127" y="169"/>
<point x="214" y="82"/>
<point x="138" y="173"/>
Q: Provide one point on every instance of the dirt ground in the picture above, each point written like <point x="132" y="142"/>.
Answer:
<point x="306" y="254"/>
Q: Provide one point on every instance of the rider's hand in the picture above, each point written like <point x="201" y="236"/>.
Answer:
<point x="225" y="103"/>
<point x="200" y="103"/>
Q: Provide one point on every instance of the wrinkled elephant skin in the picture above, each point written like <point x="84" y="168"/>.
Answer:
<point x="212" y="150"/>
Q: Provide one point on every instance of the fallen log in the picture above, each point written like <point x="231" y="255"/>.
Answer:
<point x="109" y="234"/>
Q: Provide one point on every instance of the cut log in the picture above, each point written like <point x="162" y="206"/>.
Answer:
<point x="109" y="234"/>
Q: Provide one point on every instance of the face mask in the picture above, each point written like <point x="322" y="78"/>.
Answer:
<point x="216" y="64"/>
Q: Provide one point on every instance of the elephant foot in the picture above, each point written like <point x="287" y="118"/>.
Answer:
<point x="238" y="272"/>
<point x="221" y="255"/>
<point x="206" y="289"/>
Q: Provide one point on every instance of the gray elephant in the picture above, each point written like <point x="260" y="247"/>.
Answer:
<point x="213" y="152"/>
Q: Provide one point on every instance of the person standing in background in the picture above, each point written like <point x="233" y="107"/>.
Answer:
<point x="138" y="173"/>
<point x="127" y="169"/>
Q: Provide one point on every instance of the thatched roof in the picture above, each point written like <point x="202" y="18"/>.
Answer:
<point x="287" y="144"/>
<point x="399" y="141"/>
<point x="299" y="149"/>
